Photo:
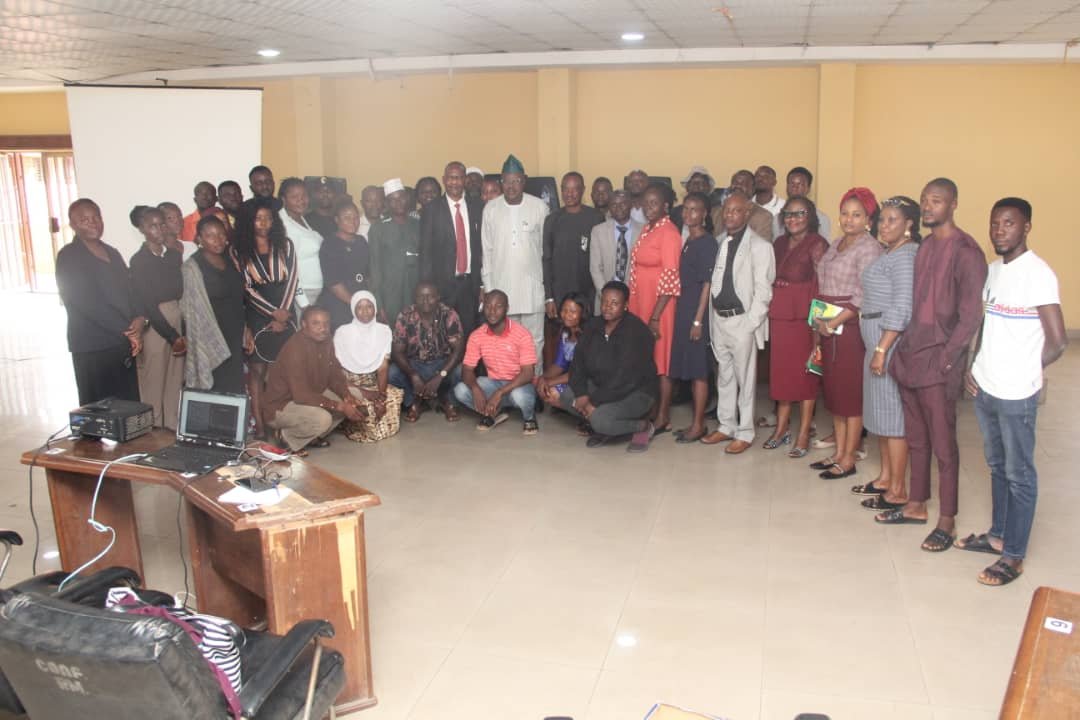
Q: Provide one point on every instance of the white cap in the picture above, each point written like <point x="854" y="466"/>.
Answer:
<point x="699" y="170"/>
<point x="392" y="186"/>
<point x="473" y="169"/>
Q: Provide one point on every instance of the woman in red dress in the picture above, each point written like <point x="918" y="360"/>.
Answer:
<point x="654" y="281"/>
<point x="791" y="340"/>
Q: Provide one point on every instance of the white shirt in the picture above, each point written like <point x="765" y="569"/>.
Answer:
<point x="307" y="243"/>
<point x="1009" y="363"/>
<point x="364" y="226"/>
<point x="638" y="214"/>
<point x="468" y="232"/>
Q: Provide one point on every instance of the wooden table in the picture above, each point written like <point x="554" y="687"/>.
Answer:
<point x="302" y="558"/>
<point x="1045" y="681"/>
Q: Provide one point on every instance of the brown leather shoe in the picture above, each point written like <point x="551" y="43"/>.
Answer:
<point x="715" y="437"/>
<point x="739" y="446"/>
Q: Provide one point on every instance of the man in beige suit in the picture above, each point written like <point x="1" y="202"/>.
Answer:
<point x="606" y="261"/>
<point x="761" y="220"/>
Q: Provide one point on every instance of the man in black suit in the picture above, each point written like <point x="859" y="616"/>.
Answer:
<point x="450" y="249"/>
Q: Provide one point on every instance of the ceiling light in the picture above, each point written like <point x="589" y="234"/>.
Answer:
<point x="633" y="36"/>
<point x="269" y="52"/>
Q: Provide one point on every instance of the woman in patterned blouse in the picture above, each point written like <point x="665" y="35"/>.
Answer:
<point x="654" y="281"/>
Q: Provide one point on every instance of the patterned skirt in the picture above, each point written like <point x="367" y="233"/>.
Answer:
<point x="371" y="429"/>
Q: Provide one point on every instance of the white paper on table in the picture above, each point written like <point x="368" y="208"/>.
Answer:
<point x="240" y="495"/>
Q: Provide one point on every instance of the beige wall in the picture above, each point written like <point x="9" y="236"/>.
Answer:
<point x="34" y="113"/>
<point x="995" y="129"/>
<point x="722" y="119"/>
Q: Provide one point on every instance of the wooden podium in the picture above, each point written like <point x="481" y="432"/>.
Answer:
<point x="302" y="558"/>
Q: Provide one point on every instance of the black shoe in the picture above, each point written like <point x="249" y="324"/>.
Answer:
<point x="596" y="440"/>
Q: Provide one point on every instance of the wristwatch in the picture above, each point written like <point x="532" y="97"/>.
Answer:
<point x="442" y="373"/>
<point x="697" y="323"/>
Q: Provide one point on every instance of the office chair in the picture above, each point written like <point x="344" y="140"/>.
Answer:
<point x="65" y="661"/>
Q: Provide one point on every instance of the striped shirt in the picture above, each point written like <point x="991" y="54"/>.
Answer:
<point x="276" y="267"/>
<point x="503" y="355"/>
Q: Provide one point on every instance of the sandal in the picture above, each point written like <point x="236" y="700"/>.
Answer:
<point x="897" y="517"/>
<point x="301" y="453"/>
<point x="765" y="421"/>
<point x="451" y="413"/>
<point x="823" y="444"/>
<point x="797" y="453"/>
<point x="977" y="543"/>
<point x="662" y="430"/>
<point x="584" y="429"/>
<point x="1000" y="573"/>
<point x="831" y="473"/>
<point x="411" y="414"/>
<point x="823" y="464"/>
<point x="773" y="443"/>
<point x="938" y="541"/>
<point x="682" y="438"/>
<point x="878" y="502"/>
<point x="867" y="489"/>
<point x="319" y="443"/>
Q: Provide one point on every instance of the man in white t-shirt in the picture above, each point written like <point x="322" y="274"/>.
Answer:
<point x="1023" y="331"/>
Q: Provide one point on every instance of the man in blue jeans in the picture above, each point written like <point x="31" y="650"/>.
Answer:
<point x="428" y="346"/>
<point x="1023" y="331"/>
<point x="509" y="354"/>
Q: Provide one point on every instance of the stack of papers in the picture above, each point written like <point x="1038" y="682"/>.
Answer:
<point x="242" y="496"/>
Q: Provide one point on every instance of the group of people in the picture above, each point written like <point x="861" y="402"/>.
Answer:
<point x="475" y="295"/>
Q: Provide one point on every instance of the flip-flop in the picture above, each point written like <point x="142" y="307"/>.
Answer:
<point x="662" y="430"/>
<point x="1001" y="572"/>
<point x="797" y="453"/>
<point x="878" y="502"/>
<point x="977" y="543"/>
<point x="682" y="438"/>
<point x="830" y="475"/>
<point x="897" y="517"/>
<point x="867" y="489"/>
<point x="823" y="464"/>
<point x="938" y="541"/>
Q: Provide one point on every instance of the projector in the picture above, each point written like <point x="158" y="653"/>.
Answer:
<point x="112" y="419"/>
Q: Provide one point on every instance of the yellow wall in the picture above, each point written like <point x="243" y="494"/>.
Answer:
<point x="412" y="126"/>
<point x="995" y="129"/>
<point x="666" y="121"/>
<point x="34" y="113"/>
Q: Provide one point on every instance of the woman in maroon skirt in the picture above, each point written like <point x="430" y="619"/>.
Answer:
<point x="791" y="341"/>
<point x="839" y="272"/>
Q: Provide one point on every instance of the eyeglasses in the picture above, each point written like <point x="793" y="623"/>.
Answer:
<point x="793" y="214"/>
<point x="897" y="202"/>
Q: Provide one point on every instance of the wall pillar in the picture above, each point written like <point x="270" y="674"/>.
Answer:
<point x="836" y="135"/>
<point x="308" y="109"/>
<point x="556" y="120"/>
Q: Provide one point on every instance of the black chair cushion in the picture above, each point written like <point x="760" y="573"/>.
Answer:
<point x="287" y="700"/>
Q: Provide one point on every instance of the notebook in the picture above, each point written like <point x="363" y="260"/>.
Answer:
<point x="209" y="433"/>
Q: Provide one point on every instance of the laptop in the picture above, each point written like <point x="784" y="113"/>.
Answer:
<point x="210" y="433"/>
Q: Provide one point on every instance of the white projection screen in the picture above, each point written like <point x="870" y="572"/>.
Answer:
<point x="143" y="145"/>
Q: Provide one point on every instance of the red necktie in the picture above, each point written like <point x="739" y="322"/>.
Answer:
<point x="462" y="249"/>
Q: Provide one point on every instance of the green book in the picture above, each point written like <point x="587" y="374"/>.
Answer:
<point x="822" y="309"/>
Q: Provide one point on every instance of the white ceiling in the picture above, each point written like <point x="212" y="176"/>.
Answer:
<point x="91" y="40"/>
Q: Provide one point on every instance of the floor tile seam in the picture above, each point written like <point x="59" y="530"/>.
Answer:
<point x="626" y="598"/>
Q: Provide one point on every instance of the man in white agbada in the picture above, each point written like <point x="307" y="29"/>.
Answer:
<point x="513" y="244"/>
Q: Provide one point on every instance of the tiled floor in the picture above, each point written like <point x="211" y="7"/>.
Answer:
<point x="514" y="577"/>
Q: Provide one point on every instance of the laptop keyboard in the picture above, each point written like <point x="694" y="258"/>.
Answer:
<point x="190" y="458"/>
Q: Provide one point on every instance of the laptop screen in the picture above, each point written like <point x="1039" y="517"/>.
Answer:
<point x="212" y="418"/>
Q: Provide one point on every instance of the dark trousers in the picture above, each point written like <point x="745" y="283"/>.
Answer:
<point x="613" y="419"/>
<point x="463" y="294"/>
<point x="930" y="427"/>
<point x="106" y="373"/>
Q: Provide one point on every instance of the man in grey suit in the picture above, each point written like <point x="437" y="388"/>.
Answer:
<point x="742" y="282"/>
<point x="612" y="242"/>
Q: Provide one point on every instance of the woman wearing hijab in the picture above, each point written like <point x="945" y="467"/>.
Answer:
<point x="363" y="349"/>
